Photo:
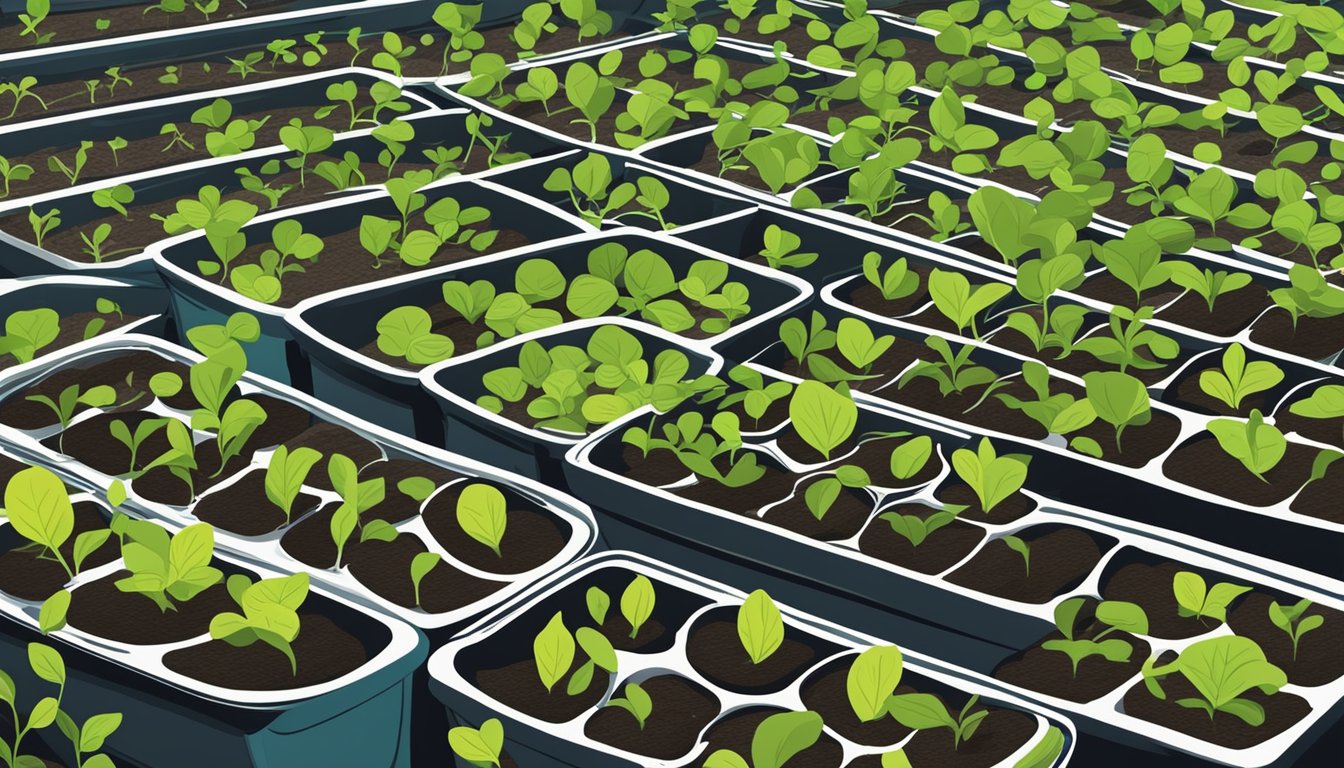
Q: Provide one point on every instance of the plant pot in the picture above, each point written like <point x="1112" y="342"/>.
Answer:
<point x="142" y="308"/>
<point x="334" y="332"/>
<point x="171" y="717"/>
<point x="140" y="124"/>
<point x="198" y="300"/>
<point x="695" y="600"/>
<point x="503" y="441"/>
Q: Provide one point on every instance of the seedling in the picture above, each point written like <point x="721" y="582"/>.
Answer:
<point x="39" y="509"/>
<point x="270" y="613"/>
<point x="1130" y="337"/>
<point x="637" y="603"/>
<point x="104" y="306"/>
<point x="1238" y="379"/>
<point x="480" y="747"/>
<point x="993" y="478"/>
<point x="924" y="711"/>
<point x="162" y="566"/>
<point x="1195" y="598"/>
<point x="44" y="224"/>
<point x="589" y="188"/>
<point x="357" y="497"/>
<point x="777" y="739"/>
<point x="72" y="171"/>
<point x="780" y="249"/>
<point x="1119" y="400"/>
<point x="306" y="140"/>
<point x="291" y="249"/>
<point x="855" y="341"/>
<point x="896" y="282"/>
<point x="959" y="301"/>
<point x="598" y="603"/>
<point x="759" y="626"/>
<point x="482" y="513"/>
<point x="1221" y="669"/>
<point x="553" y="650"/>
<point x="822" y="494"/>
<point x="71" y="398"/>
<point x="872" y="679"/>
<point x="952" y="371"/>
<point x="1118" y="616"/>
<point x="916" y="529"/>
<point x="28" y="331"/>
<point x="1059" y="413"/>
<point x="37" y="11"/>
<point x="823" y="417"/>
<point x="1257" y="445"/>
<point x="755" y="395"/>
<point x="421" y="565"/>
<point x="1293" y="620"/>
<point x="47" y="664"/>
<point x="1207" y="283"/>
<point x="133" y="440"/>
<point x="12" y="172"/>
<point x="1325" y="402"/>
<point x="636" y="701"/>
<point x="697" y="448"/>
<point x="1022" y="547"/>
<point x="285" y="474"/>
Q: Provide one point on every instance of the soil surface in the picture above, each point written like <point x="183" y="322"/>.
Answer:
<point x="1059" y="561"/>
<point x="28" y="575"/>
<point x="825" y="693"/>
<point x="244" y="508"/>
<point x="1202" y="463"/>
<point x="531" y="537"/>
<point x="943" y="548"/>
<point x="518" y="685"/>
<point x="681" y="710"/>
<point x="323" y="651"/>
<point x="75" y="26"/>
<point x="735" y="731"/>
<point x="716" y="651"/>
<point x="1150" y="586"/>
<point x="385" y="568"/>
<point x="101" y="608"/>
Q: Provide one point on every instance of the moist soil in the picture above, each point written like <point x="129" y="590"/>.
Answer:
<point x="384" y="567"/>
<point x="1051" y="672"/>
<point x="1150" y="586"/>
<point x="76" y="26"/>
<point x="1203" y="464"/>
<point x="1281" y="711"/>
<point x="26" y="576"/>
<point x="397" y="506"/>
<point x="650" y="470"/>
<point x="162" y="486"/>
<point x="1188" y="394"/>
<point x="243" y="507"/>
<point x="1110" y="289"/>
<point x="681" y="710"/>
<point x="21" y="413"/>
<point x="1080" y="363"/>
<point x="999" y="735"/>
<point x="826" y="694"/>
<point x="331" y="439"/>
<point x="922" y="393"/>
<point x="323" y="650"/>
<point x="843" y="520"/>
<point x="715" y="651"/>
<point x="773" y="486"/>
<point x="309" y="540"/>
<point x="1318" y="660"/>
<point x="1321" y="498"/>
<point x="283" y="421"/>
<point x="1060" y="560"/>
<point x="1138" y="445"/>
<point x="101" y="609"/>
<point x="1232" y="312"/>
<point x="735" y="731"/>
<point x="872" y="454"/>
<point x="518" y="685"/>
<point x="1005" y="511"/>
<point x="343" y="262"/>
<point x="943" y="548"/>
<point x="531" y="537"/>
<point x="1314" y="338"/>
<point x="72" y="331"/>
<point x="867" y="296"/>
<point x="91" y="442"/>
<point x="146" y="148"/>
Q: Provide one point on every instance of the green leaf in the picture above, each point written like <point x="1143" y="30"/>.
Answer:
<point x="482" y="512"/>
<point x="478" y="746"/>
<point x="46" y="663"/>
<point x="1257" y="445"/>
<point x="781" y="736"/>
<point x="920" y="711"/>
<point x="823" y="417"/>
<point x="599" y="603"/>
<point x="553" y="650"/>
<point x="38" y="507"/>
<point x="759" y="626"/>
<point x="994" y="478"/>
<point x="872" y="678"/>
<point x="637" y="603"/>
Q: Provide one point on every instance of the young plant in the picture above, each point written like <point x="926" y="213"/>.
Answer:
<point x="1221" y="669"/>
<point x="855" y="341"/>
<point x="1293" y="620"/>
<point x="1325" y="402"/>
<point x="959" y="301"/>
<point x="589" y="188"/>
<point x="953" y="372"/>
<point x="1059" y="413"/>
<point x="44" y="224"/>
<point x="1119" y="400"/>
<point x="924" y="711"/>
<point x="47" y="665"/>
<point x="1129" y="339"/>
<point x="37" y="11"/>
<point x="482" y="513"/>
<point x="40" y="511"/>
<point x="407" y="333"/>
<point x="553" y="650"/>
<point x="1208" y="284"/>
<point x="759" y="626"/>
<point x="28" y="331"/>
<point x="357" y="497"/>
<point x="755" y="395"/>
<point x="1238" y="379"/>
<point x="285" y="474"/>
<point x="421" y="565"/>
<point x="270" y="613"/>
<point x="103" y="306"/>
<point x="162" y="566"/>
<point x="12" y="172"/>
<point x="146" y="429"/>
<point x="70" y="399"/>
<point x="697" y="449"/>
<point x="306" y="140"/>
<point x="777" y="739"/>
<point x="1195" y="598"/>
<point x="1257" y="445"/>
<point x="479" y="747"/>
<point x="872" y="679"/>
<point x="780" y="249"/>
<point x="72" y="171"/>
<point x="824" y="417"/>
<point x="993" y="478"/>
<point x="636" y="701"/>
<point x="291" y="248"/>
<point x="896" y="282"/>
<point x="637" y="603"/>
<point x="1117" y="616"/>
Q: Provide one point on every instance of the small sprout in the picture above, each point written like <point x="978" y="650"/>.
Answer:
<point x="924" y="711"/>
<point x="916" y="529"/>
<point x="1293" y="621"/>
<point x="51" y="616"/>
<point x="637" y="603"/>
<point x="759" y="626"/>
<point x="1221" y="669"/>
<point x="553" y="651"/>
<point x="1257" y="445"/>
<point x="44" y="224"/>
<point x="421" y="565"/>
<point x="599" y="603"/>
<point x="776" y="741"/>
<point x="1195" y="598"/>
<point x="872" y="679"/>
<point x="636" y="701"/>
<point x="285" y="474"/>
<point x="1239" y="379"/>
<point x="822" y="416"/>
<point x="600" y="654"/>
<point x="270" y="613"/>
<point x="162" y="566"/>
<point x="39" y="509"/>
<point x="992" y="477"/>
<point x="479" y="747"/>
<point x="1021" y="547"/>
<point x="896" y="282"/>
<point x="482" y="512"/>
<point x="1116" y="615"/>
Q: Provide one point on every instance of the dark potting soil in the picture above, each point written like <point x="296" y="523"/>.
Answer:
<point x="999" y="735"/>
<point x="943" y="548"/>
<point x="27" y="576"/>
<point x="323" y="650"/>
<point x="343" y="262"/>
<point x="535" y="113"/>
<point x="1317" y="661"/>
<point x="1051" y="672"/>
<point x="617" y="629"/>
<point x="1005" y="511"/>
<point x="146" y="148"/>
<point x="1110" y="289"/>
<point x="1231" y="314"/>
<point x="873" y="454"/>
<point x="715" y="651"/>
<point x="126" y="372"/>
<point x="825" y="693"/>
<point x="531" y="537"/>
<point x="284" y="420"/>
<point x="1281" y="711"/>
<point x="396" y="505"/>
<point x="161" y="485"/>
<point x="101" y="609"/>
<point x="75" y="26"/>
<point x="91" y="443"/>
<point x="1059" y="561"/>
<point x="309" y="540"/>
<point x="1324" y="430"/>
<point x="735" y="732"/>
<point x="1150" y="586"/>
<point x="73" y="328"/>
<point x="681" y="710"/>
<point x="641" y="469"/>
<point x="243" y="507"/>
<point x="518" y="685"/>
<point x="843" y="520"/>
<point x="1313" y="338"/>
<point x="1080" y="363"/>
<point x="1137" y="445"/>
<point x="1203" y="464"/>
<point x="1321" y="498"/>
<point x="922" y="393"/>
<point x="897" y="357"/>
<point x="865" y="295"/>
<point x="8" y="469"/>
<point x="385" y="568"/>
<point x="773" y="486"/>
<point x="329" y="440"/>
